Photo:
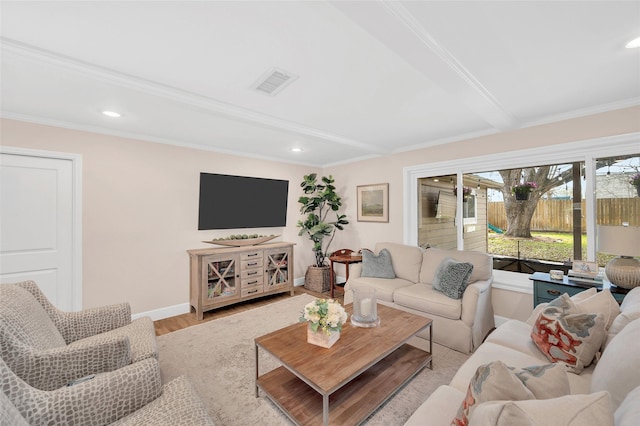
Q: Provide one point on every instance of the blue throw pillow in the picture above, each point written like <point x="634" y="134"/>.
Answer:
<point x="452" y="277"/>
<point x="377" y="266"/>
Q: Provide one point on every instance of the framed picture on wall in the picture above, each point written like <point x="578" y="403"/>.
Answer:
<point x="373" y="203"/>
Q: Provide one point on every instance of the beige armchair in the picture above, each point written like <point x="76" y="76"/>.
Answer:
<point x="132" y="395"/>
<point x="48" y="348"/>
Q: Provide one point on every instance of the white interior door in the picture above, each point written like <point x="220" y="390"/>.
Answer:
<point x="39" y="224"/>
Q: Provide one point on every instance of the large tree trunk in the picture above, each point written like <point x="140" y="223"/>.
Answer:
<point x="519" y="214"/>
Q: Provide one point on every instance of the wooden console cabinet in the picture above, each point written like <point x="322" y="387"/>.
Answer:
<point x="228" y="275"/>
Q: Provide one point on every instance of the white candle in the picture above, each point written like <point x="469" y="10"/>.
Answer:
<point x="365" y="307"/>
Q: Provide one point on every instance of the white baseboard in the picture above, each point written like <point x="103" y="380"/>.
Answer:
<point x="162" y="313"/>
<point x="184" y="308"/>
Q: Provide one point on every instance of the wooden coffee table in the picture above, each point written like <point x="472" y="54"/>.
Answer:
<point x="342" y="385"/>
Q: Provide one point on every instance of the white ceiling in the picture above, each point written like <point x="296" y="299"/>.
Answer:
<point x="374" y="77"/>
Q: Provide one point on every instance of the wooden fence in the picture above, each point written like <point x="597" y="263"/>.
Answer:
<point x="557" y="215"/>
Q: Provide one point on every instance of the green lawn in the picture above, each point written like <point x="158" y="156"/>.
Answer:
<point x="550" y="246"/>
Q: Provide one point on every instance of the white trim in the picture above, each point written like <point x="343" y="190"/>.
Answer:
<point x="76" y="169"/>
<point x="166" y="312"/>
<point x="586" y="150"/>
<point x="512" y="281"/>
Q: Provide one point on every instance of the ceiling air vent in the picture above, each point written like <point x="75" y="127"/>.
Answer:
<point x="273" y="81"/>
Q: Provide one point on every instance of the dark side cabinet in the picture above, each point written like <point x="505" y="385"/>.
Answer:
<point x="545" y="289"/>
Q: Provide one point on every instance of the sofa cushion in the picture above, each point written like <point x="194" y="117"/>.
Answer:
<point x="628" y="412"/>
<point x="406" y="260"/>
<point x="572" y="339"/>
<point x="629" y="311"/>
<point x="423" y="298"/>
<point x="618" y="370"/>
<point x="516" y="335"/>
<point x="439" y="409"/>
<point x="570" y="410"/>
<point x="491" y="382"/>
<point x="377" y="265"/>
<point x="482" y="263"/>
<point x="452" y="277"/>
<point x="384" y="287"/>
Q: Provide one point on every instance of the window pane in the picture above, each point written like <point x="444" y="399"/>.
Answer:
<point x="437" y="212"/>
<point x="617" y="198"/>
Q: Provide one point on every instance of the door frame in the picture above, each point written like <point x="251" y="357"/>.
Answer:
<point x="76" y="210"/>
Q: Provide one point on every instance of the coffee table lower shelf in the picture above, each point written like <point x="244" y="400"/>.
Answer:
<point x="352" y="403"/>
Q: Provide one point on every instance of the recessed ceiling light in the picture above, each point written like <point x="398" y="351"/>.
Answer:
<point x="112" y="114"/>
<point x="296" y="149"/>
<point x="633" y="43"/>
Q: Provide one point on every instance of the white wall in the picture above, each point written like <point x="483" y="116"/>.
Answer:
<point x="140" y="201"/>
<point x="140" y="211"/>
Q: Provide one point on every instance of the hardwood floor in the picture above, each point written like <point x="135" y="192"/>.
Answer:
<point x="178" y="322"/>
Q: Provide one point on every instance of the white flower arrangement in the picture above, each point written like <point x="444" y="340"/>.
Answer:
<point x="325" y="315"/>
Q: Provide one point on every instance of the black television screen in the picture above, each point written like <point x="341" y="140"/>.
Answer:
<point x="228" y="202"/>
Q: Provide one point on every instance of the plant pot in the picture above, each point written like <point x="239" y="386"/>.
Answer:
<point x="322" y="338"/>
<point x="522" y="196"/>
<point x="318" y="278"/>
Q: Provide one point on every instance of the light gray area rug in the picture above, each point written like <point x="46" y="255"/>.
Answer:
<point x="219" y="358"/>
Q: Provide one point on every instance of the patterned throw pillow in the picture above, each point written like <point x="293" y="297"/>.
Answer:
<point x="491" y="382"/>
<point x="544" y="381"/>
<point x="452" y="277"/>
<point x="498" y="382"/>
<point x="569" y="338"/>
<point x="377" y="266"/>
<point x="570" y="410"/>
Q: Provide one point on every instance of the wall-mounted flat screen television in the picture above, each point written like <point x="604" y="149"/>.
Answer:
<point x="228" y="202"/>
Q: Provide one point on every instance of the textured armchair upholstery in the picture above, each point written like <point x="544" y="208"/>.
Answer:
<point x="48" y="348"/>
<point x="132" y="395"/>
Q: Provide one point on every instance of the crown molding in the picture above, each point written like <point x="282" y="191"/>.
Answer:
<point x="172" y="93"/>
<point x="144" y="137"/>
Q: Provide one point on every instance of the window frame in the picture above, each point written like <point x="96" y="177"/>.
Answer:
<point x="586" y="151"/>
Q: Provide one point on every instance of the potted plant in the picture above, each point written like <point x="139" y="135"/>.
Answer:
<point x="325" y="318"/>
<point x="466" y="191"/>
<point x="320" y="203"/>
<point x="635" y="181"/>
<point x="523" y="190"/>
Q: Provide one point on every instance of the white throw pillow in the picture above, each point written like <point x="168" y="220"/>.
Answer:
<point x="618" y="324"/>
<point x="570" y="410"/>
<point x="628" y="414"/>
<point x="618" y="370"/>
<point x="603" y="302"/>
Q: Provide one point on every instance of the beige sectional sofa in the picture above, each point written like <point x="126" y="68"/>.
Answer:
<point x="607" y="392"/>
<point x="460" y="324"/>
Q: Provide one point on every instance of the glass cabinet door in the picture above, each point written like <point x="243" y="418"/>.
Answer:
<point x="222" y="281"/>
<point x="277" y="267"/>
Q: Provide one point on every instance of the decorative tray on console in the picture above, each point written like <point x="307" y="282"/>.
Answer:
<point x="240" y="242"/>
